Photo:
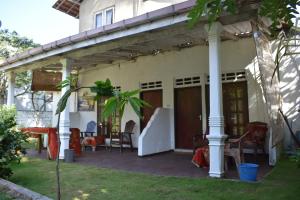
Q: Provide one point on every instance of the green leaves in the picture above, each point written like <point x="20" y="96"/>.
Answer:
<point x="11" y="140"/>
<point x="118" y="102"/>
<point x="211" y="9"/>
<point x="102" y="88"/>
<point x="281" y="12"/>
<point x="10" y="44"/>
<point x="62" y="103"/>
<point x="70" y="81"/>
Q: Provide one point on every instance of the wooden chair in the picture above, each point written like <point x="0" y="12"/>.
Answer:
<point x="234" y="148"/>
<point x="121" y="138"/>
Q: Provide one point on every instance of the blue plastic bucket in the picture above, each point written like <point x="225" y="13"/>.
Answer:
<point x="248" y="171"/>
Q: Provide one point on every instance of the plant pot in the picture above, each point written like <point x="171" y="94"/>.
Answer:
<point x="69" y="155"/>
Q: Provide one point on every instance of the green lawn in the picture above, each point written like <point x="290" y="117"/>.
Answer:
<point x="81" y="182"/>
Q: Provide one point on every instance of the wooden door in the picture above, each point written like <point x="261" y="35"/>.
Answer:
<point x="154" y="98"/>
<point x="235" y="107"/>
<point x="188" y="120"/>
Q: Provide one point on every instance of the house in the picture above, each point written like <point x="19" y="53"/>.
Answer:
<point x="146" y="44"/>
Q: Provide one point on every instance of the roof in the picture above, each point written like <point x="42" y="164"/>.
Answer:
<point x="70" y="7"/>
<point x="147" y="26"/>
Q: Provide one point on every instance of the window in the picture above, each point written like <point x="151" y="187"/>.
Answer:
<point x="99" y="20"/>
<point x="109" y="16"/>
<point x="104" y="17"/>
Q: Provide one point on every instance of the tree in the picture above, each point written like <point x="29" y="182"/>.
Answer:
<point x="11" y="140"/>
<point x="10" y="44"/>
<point x="281" y="12"/>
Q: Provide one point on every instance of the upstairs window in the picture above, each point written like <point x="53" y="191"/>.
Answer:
<point x="104" y="17"/>
<point x="109" y="13"/>
<point x="99" y="20"/>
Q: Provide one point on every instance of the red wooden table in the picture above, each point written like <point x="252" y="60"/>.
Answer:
<point x="52" y="147"/>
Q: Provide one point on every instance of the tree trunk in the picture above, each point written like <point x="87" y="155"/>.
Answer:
<point x="270" y="84"/>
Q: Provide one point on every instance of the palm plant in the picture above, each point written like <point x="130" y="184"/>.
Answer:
<point x="116" y="103"/>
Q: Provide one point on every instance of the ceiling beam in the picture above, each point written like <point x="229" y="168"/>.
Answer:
<point x="229" y="36"/>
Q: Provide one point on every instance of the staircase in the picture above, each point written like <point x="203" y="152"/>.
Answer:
<point x="157" y="135"/>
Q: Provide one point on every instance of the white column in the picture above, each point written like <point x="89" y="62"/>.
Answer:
<point x="11" y="88"/>
<point x="216" y="120"/>
<point x="64" y="126"/>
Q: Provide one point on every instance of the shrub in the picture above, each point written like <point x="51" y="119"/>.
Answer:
<point x="11" y="140"/>
<point x="296" y="157"/>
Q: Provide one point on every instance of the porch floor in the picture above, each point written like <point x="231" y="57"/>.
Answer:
<point x="164" y="164"/>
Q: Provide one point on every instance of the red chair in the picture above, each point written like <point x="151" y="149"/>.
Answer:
<point x="75" y="141"/>
<point x="257" y="137"/>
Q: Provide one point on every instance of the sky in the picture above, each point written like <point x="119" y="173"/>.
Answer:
<point x="37" y="20"/>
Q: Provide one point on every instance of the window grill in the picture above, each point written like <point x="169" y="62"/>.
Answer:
<point x="232" y="76"/>
<point x="151" y="85"/>
<point x="187" y="81"/>
<point x="118" y="88"/>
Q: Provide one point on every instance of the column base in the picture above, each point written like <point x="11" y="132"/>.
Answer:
<point x="216" y="174"/>
<point x="64" y="144"/>
<point x="216" y="155"/>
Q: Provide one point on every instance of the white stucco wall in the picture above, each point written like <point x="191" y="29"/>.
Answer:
<point x="235" y="56"/>
<point x="157" y="135"/>
<point x="290" y="91"/>
<point x="124" y="9"/>
<point x="34" y="119"/>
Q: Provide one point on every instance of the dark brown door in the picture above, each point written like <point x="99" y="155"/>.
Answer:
<point x="188" y="111"/>
<point x="235" y="107"/>
<point x="154" y="98"/>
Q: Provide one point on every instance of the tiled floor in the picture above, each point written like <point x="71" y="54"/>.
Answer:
<point x="164" y="164"/>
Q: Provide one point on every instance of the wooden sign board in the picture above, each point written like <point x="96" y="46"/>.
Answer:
<point x="45" y="81"/>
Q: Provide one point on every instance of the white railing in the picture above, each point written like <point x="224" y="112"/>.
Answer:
<point x="157" y="135"/>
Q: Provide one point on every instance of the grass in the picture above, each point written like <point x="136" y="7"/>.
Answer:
<point x="3" y="196"/>
<point x="82" y="182"/>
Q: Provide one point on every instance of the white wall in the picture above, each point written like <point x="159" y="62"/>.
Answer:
<point x="235" y="55"/>
<point x="157" y="135"/>
<point x="124" y="9"/>
<point x="290" y="90"/>
<point x="34" y="119"/>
